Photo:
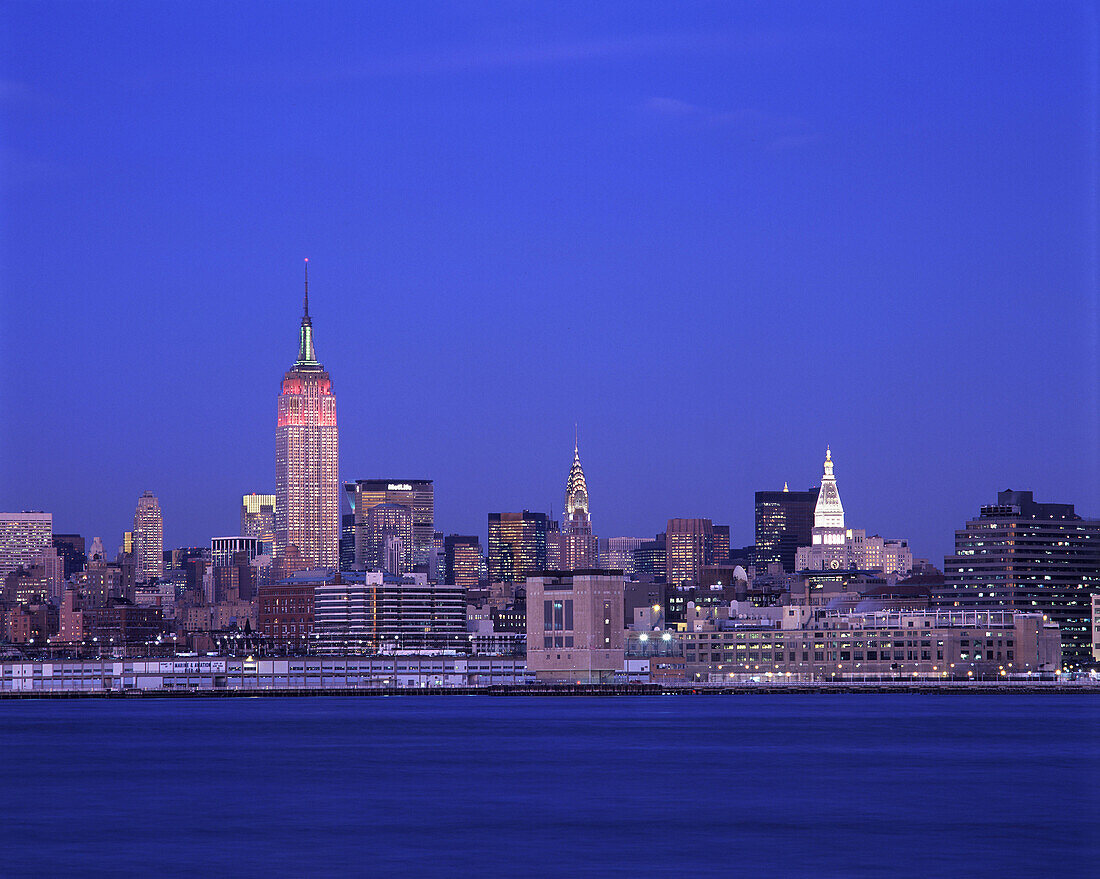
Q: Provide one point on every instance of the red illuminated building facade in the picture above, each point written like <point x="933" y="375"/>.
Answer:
<point x="307" y="486"/>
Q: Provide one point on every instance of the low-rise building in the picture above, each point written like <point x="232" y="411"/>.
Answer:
<point x="1096" y="627"/>
<point x="373" y="611"/>
<point x="220" y="673"/>
<point x="812" y="644"/>
<point x="284" y="611"/>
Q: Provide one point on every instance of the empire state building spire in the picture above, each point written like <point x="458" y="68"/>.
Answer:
<point x="306" y="355"/>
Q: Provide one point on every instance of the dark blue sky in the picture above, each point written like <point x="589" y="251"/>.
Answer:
<point x="718" y="236"/>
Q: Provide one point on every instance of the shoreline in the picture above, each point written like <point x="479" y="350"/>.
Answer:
<point x="604" y="690"/>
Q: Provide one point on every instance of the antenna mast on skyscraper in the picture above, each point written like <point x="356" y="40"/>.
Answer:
<point x="306" y="302"/>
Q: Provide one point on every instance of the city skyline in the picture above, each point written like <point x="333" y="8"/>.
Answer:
<point x="307" y="358"/>
<point x="726" y="225"/>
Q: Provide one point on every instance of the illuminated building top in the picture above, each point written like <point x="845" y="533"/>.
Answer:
<point x="576" y="490"/>
<point x="307" y="357"/>
<point x="829" y="512"/>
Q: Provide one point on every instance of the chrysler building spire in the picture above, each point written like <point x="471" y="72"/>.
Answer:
<point x="576" y="489"/>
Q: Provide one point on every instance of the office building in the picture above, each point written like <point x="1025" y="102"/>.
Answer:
<point x="416" y="494"/>
<point x="388" y="543"/>
<point x="720" y="552"/>
<point x="1027" y="556"/>
<point x="371" y="612"/>
<point x="71" y="548"/>
<point x="22" y="537"/>
<point x="307" y="455"/>
<point x="689" y="545"/>
<point x="784" y="522"/>
<point x="226" y="551"/>
<point x="53" y="567"/>
<point x="617" y="553"/>
<point x="517" y="545"/>
<point x="147" y="547"/>
<point x="575" y="625"/>
<point x="437" y="558"/>
<point x="462" y="560"/>
<point x="651" y="559"/>
<point x="258" y="517"/>
<point x="347" y="541"/>
<point x="554" y="548"/>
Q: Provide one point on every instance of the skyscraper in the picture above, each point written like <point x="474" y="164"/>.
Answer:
<point x="689" y="544"/>
<point x="1027" y="556"/>
<point x="579" y="548"/>
<point x="307" y="482"/>
<point x="148" y="539"/>
<point x="784" y="522"/>
<point x="517" y="545"/>
<point x="416" y="494"/>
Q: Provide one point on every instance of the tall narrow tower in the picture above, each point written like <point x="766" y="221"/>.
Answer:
<point x="307" y="484"/>
<point x="148" y="547"/>
<point x="578" y="545"/>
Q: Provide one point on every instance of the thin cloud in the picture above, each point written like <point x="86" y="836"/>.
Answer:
<point x="777" y="130"/>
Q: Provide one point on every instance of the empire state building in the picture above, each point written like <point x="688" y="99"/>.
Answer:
<point x="307" y="484"/>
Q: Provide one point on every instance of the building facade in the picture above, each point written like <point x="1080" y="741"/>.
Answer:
<point x="1027" y="556"/>
<point x="1096" y="627"/>
<point x="226" y="551"/>
<point x="651" y="558"/>
<point x="307" y="460"/>
<point x="388" y="539"/>
<point x="22" y="537"/>
<point x="575" y="625"/>
<point x="284" y="612"/>
<point x="71" y="548"/>
<point x="617" y="553"/>
<point x="418" y="495"/>
<point x="148" y="539"/>
<point x="740" y="640"/>
<point x="517" y="545"/>
<point x="462" y="560"/>
<point x="784" y="522"/>
<point x="689" y="545"/>
<point x="372" y="612"/>
<point x="258" y="517"/>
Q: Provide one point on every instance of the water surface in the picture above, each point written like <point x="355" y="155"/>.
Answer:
<point x="710" y="786"/>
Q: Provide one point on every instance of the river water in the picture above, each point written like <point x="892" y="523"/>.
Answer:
<point x="855" y="785"/>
